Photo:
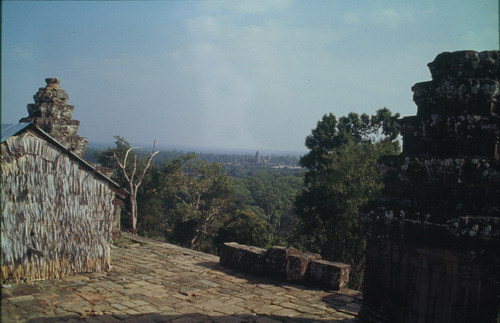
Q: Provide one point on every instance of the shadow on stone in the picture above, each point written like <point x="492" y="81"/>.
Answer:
<point x="194" y="317"/>
<point x="345" y="301"/>
<point x="252" y="278"/>
<point x="249" y="277"/>
<point x="348" y="302"/>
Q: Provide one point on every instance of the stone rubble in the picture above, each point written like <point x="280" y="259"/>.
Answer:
<point x="153" y="281"/>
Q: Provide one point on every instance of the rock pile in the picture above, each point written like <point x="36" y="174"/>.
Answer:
<point x="289" y="263"/>
<point x="432" y="252"/>
<point x="52" y="114"/>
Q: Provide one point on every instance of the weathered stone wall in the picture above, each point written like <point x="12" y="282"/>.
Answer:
<point x="52" y="114"/>
<point x="405" y="282"/>
<point x="432" y="253"/>
<point x="286" y="263"/>
<point x="56" y="218"/>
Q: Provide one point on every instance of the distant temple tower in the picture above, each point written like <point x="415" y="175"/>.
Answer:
<point x="52" y="114"/>
<point x="433" y="238"/>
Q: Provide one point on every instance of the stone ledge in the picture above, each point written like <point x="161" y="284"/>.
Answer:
<point x="245" y="258"/>
<point x="297" y="265"/>
<point x="288" y="263"/>
<point x="333" y="275"/>
<point x="276" y="259"/>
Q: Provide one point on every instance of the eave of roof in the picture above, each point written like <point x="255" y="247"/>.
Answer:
<point x="9" y="130"/>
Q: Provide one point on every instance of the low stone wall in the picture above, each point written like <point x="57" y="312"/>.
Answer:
<point x="286" y="263"/>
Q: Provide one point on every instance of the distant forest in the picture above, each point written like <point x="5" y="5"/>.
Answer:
<point x="236" y="165"/>
<point x="311" y="202"/>
<point x="258" y="197"/>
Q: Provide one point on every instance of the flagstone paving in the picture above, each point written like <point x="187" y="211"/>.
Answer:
<point x="158" y="282"/>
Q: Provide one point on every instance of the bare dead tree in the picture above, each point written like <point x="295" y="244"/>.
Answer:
<point x="134" y="182"/>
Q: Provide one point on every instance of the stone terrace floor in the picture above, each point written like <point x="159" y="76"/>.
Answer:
<point x="158" y="282"/>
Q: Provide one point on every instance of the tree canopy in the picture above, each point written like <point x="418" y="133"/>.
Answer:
<point x="343" y="175"/>
<point x="194" y="203"/>
<point x="200" y="193"/>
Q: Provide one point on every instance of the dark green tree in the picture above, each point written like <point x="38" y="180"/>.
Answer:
<point x="199" y="194"/>
<point x="270" y="195"/>
<point x="342" y="176"/>
<point x="244" y="227"/>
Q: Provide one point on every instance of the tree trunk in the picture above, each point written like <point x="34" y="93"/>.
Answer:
<point x="133" y="211"/>
<point x="133" y="182"/>
<point x="193" y="241"/>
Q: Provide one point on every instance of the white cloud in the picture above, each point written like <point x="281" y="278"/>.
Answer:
<point x="203" y="26"/>
<point x="248" y="74"/>
<point x="353" y="18"/>
<point x="252" y="77"/>
<point x="245" y="7"/>
<point x="388" y="17"/>
<point x="224" y="96"/>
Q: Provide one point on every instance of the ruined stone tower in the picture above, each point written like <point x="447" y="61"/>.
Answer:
<point x="433" y="238"/>
<point x="52" y="114"/>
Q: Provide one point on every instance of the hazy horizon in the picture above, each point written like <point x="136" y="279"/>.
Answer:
<point x="195" y="149"/>
<point x="250" y="75"/>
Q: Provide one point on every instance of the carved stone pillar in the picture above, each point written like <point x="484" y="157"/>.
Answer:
<point x="52" y="114"/>
<point x="432" y="253"/>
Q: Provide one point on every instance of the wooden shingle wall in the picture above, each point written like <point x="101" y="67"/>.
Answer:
<point x="56" y="217"/>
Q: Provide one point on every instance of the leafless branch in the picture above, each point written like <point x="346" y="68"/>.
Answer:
<point x="133" y="183"/>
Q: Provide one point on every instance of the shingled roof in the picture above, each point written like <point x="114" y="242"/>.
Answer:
<point x="9" y="130"/>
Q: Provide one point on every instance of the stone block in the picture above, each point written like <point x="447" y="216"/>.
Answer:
<point x="465" y="64"/>
<point x="296" y="266"/>
<point x="276" y="258"/>
<point x="245" y="258"/>
<point x="327" y="274"/>
<point x="229" y="255"/>
<point x="253" y="259"/>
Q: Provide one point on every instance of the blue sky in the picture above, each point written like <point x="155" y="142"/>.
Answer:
<point x="229" y="74"/>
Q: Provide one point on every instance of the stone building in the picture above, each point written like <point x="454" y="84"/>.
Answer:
<point x="433" y="248"/>
<point x="58" y="212"/>
<point x="53" y="115"/>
